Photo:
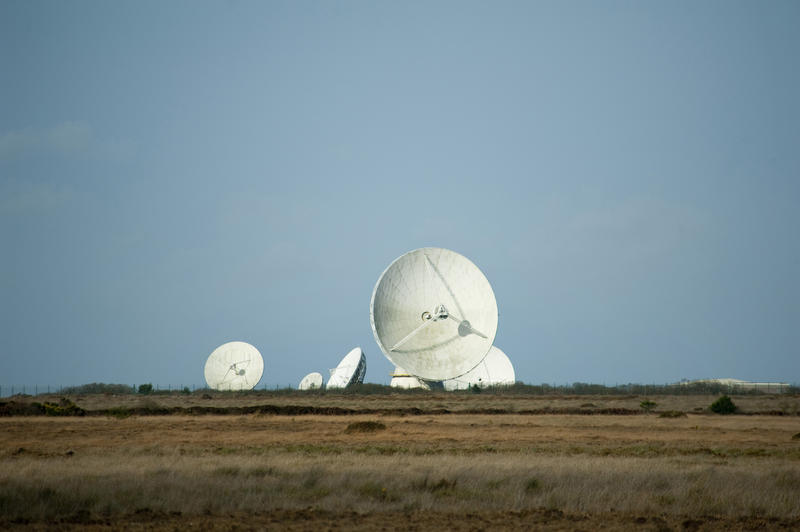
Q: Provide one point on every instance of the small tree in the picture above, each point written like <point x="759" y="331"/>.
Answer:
<point x="723" y="405"/>
<point x="145" y="388"/>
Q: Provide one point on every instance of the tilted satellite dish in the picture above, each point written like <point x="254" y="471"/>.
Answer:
<point x="402" y="379"/>
<point x="312" y="381"/>
<point x="351" y="370"/>
<point x="234" y="366"/>
<point x="433" y="313"/>
<point x="494" y="370"/>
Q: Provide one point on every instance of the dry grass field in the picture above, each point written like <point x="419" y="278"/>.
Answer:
<point x="451" y="461"/>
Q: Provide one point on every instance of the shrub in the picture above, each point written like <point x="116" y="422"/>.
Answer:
<point x="98" y="387"/>
<point x="723" y="405"/>
<point x="647" y="405"/>
<point x="145" y="388"/>
<point x="64" y="407"/>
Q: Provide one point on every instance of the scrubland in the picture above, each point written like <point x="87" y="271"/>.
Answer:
<point x="394" y="471"/>
<point x="495" y="401"/>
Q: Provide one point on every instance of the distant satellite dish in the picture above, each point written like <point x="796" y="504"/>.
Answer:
<point x="312" y="381"/>
<point x="433" y="313"/>
<point x="402" y="379"/>
<point x="351" y="370"/>
<point x="234" y="366"/>
<point x="494" y="370"/>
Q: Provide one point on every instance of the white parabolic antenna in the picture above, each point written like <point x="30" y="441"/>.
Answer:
<point x="312" y="381"/>
<point x="494" y="370"/>
<point x="351" y="370"/>
<point x="234" y="366"/>
<point x="433" y="313"/>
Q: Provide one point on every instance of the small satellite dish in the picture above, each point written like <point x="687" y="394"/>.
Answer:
<point x="433" y="313"/>
<point x="234" y="366"/>
<point x="494" y="370"/>
<point x="312" y="381"/>
<point x="402" y="379"/>
<point x="351" y="370"/>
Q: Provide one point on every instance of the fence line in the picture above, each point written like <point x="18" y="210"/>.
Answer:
<point x="9" y="390"/>
<point x="576" y="388"/>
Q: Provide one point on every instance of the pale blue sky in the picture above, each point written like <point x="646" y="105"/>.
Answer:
<point x="175" y="175"/>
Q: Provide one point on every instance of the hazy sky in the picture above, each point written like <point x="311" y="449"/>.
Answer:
<point x="176" y="175"/>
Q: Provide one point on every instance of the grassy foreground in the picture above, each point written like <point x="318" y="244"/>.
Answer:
<point x="455" y="471"/>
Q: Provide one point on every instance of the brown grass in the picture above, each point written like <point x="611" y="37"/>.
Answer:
<point x="453" y="402"/>
<point x="723" y="471"/>
<point x="364" y="426"/>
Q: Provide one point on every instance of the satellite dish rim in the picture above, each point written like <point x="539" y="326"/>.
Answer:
<point x="350" y="370"/>
<point x="496" y="369"/>
<point x="237" y="371"/>
<point x="489" y="336"/>
<point x="312" y="381"/>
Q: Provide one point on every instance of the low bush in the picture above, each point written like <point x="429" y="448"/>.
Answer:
<point x="647" y="405"/>
<point x="64" y="407"/>
<point x="98" y="387"/>
<point x="723" y="405"/>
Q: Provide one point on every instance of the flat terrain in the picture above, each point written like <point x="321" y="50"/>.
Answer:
<point x="400" y="461"/>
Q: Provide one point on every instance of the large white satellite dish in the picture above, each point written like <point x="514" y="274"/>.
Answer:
<point x="312" y="381"/>
<point x="494" y="370"/>
<point x="404" y="380"/>
<point x="351" y="370"/>
<point x="234" y="366"/>
<point x="433" y="313"/>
